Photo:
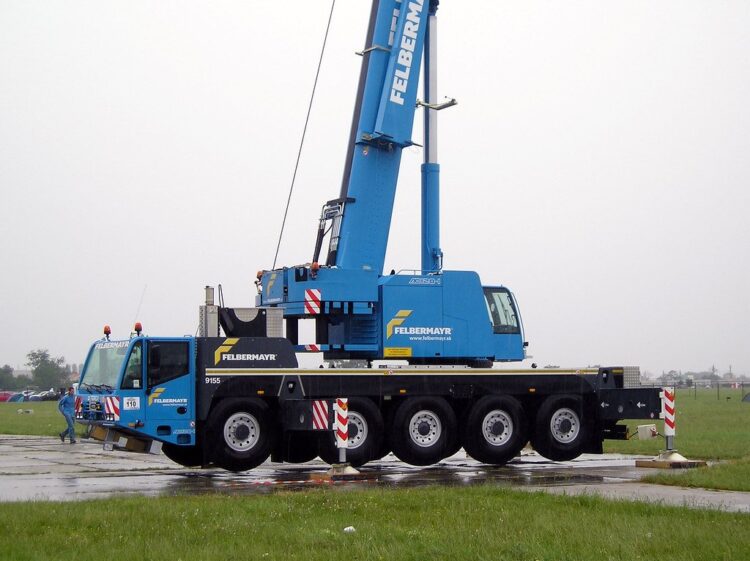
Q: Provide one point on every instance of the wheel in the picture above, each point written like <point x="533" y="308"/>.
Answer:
<point x="366" y="430"/>
<point x="242" y="431"/>
<point x="188" y="456"/>
<point x="424" y="430"/>
<point x="561" y="430"/>
<point x="495" y="430"/>
<point x="299" y="447"/>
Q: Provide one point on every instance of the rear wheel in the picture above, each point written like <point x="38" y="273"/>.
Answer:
<point x="495" y="430"/>
<point x="188" y="456"/>
<point x="424" y="430"/>
<point x="365" y="427"/>
<point x="243" y="432"/>
<point x="562" y="430"/>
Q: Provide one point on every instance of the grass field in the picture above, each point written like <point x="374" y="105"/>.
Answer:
<point x="475" y="523"/>
<point x="44" y="421"/>
<point x="733" y="475"/>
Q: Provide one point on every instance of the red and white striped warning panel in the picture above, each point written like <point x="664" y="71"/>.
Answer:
<point x="312" y="301"/>
<point x="79" y="404"/>
<point x="312" y="348"/>
<point x="667" y="405"/>
<point x="342" y="422"/>
<point x="320" y="415"/>
<point x="112" y="407"/>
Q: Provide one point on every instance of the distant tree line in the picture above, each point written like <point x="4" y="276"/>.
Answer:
<point x="681" y="378"/>
<point x="46" y="372"/>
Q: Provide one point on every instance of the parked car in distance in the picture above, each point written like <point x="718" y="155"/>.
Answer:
<point x="5" y="395"/>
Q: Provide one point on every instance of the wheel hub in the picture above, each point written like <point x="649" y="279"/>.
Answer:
<point x="241" y="432"/>
<point x="425" y="428"/>
<point x="565" y="425"/>
<point x="497" y="427"/>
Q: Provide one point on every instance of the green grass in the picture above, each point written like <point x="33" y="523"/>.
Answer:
<point x="475" y="523"/>
<point x="733" y="475"/>
<point x="46" y="420"/>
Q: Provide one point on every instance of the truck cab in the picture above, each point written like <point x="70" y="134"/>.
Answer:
<point x="145" y="384"/>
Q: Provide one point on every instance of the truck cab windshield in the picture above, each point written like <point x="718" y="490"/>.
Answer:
<point x="104" y="364"/>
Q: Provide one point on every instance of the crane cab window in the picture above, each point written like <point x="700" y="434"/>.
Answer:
<point x="134" y="368"/>
<point x="167" y="360"/>
<point x="502" y="310"/>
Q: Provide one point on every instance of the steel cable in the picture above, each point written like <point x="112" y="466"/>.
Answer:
<point x="304" y="131"/>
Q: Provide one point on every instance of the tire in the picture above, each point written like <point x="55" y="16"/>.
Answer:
<point x="243" y="433"/>
<point x="496" y="430"/>
<point x="299" y="447"/>
<point x="561" y="431"/>
<point x="188" y="456"/>
<point x="424" y="430"/>
<point x="366" y="433"/>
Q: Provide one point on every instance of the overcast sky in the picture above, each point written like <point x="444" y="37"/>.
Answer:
<point x="598" y="164"/>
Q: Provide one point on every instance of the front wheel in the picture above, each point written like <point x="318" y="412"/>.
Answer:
<point x="562" y="430"/>
<point x="243" y="433"/>
<point x="495" y="430"/>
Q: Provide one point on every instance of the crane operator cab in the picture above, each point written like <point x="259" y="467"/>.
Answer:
<point x="449" y="318"/>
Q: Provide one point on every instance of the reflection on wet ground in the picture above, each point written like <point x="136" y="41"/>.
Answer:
<point x="40" y="468"/>
<point x="36" y="467"/>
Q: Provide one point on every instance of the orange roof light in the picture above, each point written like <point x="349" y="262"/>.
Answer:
<point x="138" y="327"/>
<point x="107" y="331"/>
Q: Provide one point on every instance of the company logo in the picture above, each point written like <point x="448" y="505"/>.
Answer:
<point x="155" y="397"/>
<point x="394" y="327"/>
<point x="271" y="282"/>
<point x="112" y="345"/>
<point x="406" y="52"/>
<point x="222" y="353"/>
<point x="398" y="319"/>
<point x="249" y="356"/>
<point x="225" y="347"/>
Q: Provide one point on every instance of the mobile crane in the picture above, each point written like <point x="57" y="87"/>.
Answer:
<point x="413" y="352"/>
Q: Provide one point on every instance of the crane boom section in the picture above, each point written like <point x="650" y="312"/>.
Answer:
<point x="385" y="122"/>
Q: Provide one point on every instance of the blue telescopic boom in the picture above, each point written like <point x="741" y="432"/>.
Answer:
<point x="386" y="107"/>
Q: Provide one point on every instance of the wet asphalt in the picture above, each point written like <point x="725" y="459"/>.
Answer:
<point x="42" y="468"/>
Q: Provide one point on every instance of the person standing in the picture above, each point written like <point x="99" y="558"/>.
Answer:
<point x="66" y="406"/>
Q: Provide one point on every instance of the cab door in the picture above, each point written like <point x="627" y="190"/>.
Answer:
<point x="170" y="389"/>
<point x="507" y="332"/>
<point x="132" y="389"/>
